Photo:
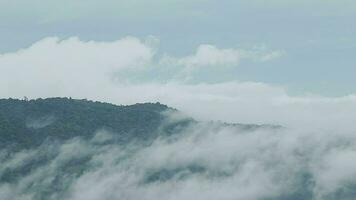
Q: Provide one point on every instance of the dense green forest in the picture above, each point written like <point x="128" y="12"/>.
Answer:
<point x="26" y="123"/>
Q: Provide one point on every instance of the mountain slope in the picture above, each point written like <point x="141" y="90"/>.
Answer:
<point x="24" y="124"/>
<point x="29" y="123"/>
<point x="50" y="147"/>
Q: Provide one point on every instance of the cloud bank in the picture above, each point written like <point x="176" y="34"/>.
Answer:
<point x="130" y="70"/>
<point x="204" y="161"/>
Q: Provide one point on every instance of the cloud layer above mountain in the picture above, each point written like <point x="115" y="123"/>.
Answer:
<point x="131" y="70"/>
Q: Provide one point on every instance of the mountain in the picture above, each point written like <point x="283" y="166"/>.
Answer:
<point x="48" y="146"/>
<point x="30" y="123"/>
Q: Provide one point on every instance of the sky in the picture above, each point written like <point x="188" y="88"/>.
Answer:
<point x="318" y="37"/>
<point x="267" y="59"/>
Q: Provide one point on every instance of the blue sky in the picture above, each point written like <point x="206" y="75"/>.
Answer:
<point x="317" y="37"/>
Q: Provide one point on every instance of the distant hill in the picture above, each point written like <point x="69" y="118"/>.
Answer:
<point x="29" y="123"/>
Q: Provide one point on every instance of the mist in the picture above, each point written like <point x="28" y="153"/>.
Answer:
<point x="206" y="160"/>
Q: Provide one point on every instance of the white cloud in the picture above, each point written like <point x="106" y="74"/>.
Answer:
<point x="209" y="55"/>
<point x="52" y="67"/>
<point x="261" y="53"/>
<point x="81" y="69"/>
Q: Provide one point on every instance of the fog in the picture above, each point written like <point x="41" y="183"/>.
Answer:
<point x="203" y="161"/>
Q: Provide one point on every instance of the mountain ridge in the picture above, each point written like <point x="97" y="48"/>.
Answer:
<point x="30" y="122"/>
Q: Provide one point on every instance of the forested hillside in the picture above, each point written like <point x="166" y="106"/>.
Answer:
<point x="48" y="147"/>
<point x="29" y="123"/>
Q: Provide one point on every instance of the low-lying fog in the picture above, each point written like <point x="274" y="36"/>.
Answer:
<point x="204" y="161"/>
